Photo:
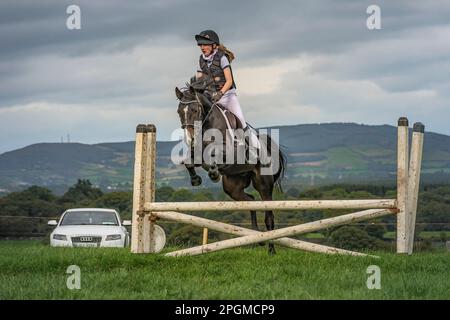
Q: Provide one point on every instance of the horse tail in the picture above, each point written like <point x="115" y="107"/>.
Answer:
<point x="281" y="170"/>
<point x="282" y="162"/>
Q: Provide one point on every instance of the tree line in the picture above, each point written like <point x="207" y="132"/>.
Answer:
<point x="25" y="213"/>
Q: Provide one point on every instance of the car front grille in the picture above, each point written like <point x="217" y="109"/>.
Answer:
<point x="86" y="239"/>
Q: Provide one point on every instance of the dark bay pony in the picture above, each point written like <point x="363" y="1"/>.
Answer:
<point x="194" y="105"/>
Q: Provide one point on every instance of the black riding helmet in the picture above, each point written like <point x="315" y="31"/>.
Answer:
<point x="207" y="37"/>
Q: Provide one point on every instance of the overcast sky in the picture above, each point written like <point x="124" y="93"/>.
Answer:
<point x="296" y="62"/>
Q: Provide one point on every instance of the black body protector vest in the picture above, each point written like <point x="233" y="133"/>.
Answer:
<point x="215" y="71"/>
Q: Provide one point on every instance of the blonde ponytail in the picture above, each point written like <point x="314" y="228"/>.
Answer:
<point x="228" y="53"/>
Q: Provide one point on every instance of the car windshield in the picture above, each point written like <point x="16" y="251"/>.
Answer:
<point x="89" y="218"/>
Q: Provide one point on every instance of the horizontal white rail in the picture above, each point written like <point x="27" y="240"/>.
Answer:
<point x="271" y="205"/>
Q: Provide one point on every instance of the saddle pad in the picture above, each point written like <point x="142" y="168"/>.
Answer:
<point x="230" y="130"/>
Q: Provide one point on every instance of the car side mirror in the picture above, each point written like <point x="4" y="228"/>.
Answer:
<point x="126" y="223"/>
<point x="52" y="223"/>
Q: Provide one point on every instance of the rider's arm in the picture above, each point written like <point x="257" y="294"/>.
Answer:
<point x="199" y="75"/>
<point x="228" y="78"/>
<point x="225" y="65"/>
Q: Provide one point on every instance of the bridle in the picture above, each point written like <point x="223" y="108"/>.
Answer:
<point x="202" y="110"/>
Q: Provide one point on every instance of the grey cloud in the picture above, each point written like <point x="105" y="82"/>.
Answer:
<point x="132" y="54"/>
<point x="279" y="28"/>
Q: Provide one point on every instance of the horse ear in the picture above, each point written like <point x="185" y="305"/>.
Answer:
<point x="192" y="89"/>
<point x="178" y="93"/>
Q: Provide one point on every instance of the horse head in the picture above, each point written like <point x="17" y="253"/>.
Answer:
<point x="193" y="107"/>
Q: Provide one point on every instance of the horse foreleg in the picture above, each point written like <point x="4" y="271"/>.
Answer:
<point x="213" y="173"/>
<point x="196" y="180"/>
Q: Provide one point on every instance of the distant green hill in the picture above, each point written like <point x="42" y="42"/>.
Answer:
<point x="317" y="154"/>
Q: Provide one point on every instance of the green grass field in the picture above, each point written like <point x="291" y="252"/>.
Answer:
<point x="31" y="270"/>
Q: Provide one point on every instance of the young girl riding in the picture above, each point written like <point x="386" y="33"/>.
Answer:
<point x="215" y="62"/>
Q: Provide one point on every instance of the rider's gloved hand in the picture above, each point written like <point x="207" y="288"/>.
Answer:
<point x="216" y="96"/>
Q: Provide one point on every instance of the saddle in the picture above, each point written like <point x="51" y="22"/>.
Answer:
<point x="234" y="123"/>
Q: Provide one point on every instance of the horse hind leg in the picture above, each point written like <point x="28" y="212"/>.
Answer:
<point x="234" y="186"/>
<point x="270" y="225"/>
<point x="250" y="197"/>
<point x="264" y="186"/>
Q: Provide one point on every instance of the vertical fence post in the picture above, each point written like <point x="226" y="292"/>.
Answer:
<point x="149" y="189"/>
<point x="413" y="181"/>
<point x="137" y="227"/>
<point x="205" y="236"/>
<point x="143" y="188"/>
<point x="402" y="183"/>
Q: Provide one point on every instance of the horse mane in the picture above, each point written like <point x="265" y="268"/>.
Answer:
<point x="199" y="88"/>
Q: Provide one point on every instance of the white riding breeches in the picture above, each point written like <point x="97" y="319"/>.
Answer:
<point x="230" y="101"/>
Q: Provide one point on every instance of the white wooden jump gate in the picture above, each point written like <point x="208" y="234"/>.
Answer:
<point x="146" y="211"/>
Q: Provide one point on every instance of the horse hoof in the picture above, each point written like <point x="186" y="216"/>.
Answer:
<point x="271" y="250"/>
<point x="215" y="176"/>
<point x="196" y="181"/>
<point x="216" y="179"/>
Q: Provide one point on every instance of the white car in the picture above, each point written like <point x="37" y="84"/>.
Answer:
<point x="90" y="227"/>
